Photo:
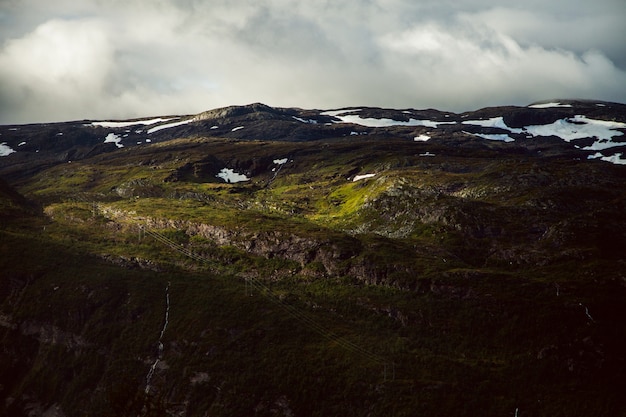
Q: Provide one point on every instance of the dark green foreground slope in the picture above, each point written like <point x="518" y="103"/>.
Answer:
<point x="484" y="280"/>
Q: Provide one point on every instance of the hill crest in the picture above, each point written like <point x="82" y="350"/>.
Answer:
<point x="584" y="129"/>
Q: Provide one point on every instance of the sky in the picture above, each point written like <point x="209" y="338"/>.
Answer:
<point x="66" y="60"/>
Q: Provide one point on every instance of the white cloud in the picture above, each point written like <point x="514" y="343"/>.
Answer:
<point x="111" y="59"/>
<point x="100" y="68"/>
<point x="575" y="27"/>
<point x="477" y="64"/>
<point x="59" y="65"/>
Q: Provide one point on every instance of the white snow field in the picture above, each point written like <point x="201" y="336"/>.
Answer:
<point x="493" y="122"/>
<point x="308" y="121"/>
<point x="113" y="138"/>
<point x="568" y="129"/>
<point x="578" y="127"/>
<point x="168" y="125"/>
<point x="362" y="177"/>
<point x="231" y="176"/>
<point x="130" y="122"/>
<point x="548" y="105"/>
<point x="618" y="158"/>
<point x="5" y="150"/>
<point x="371" y="122"/>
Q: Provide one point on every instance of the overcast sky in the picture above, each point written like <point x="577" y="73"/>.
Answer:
<point x="95" y="59"/>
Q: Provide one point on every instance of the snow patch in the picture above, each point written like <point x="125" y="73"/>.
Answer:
<point x="371" y="122"/>
<point x="362" y="177"/>
<point x="618" y="158"/>
<point x="168" y="125"/>
<point x="493" y="122"/>
<point x="602" y="144"/>
<point x="548" y="105"/>
<point x="280" y="161"/>
<point x="214" y="127"/>
<point x="308" y="121"/>
<point x="501" y="137"/>
<point x="578" y="127"/>
<point x="421" y="138"/>
<point x="113" y="138"/>
<point x="568" y="129"/>
<point x="230" y="176"/>
<point x="427" y="154"/>
<point x="130" y="122"/>
<point x="5" y="150"/>
<point x="237" y="128"/>
<point x="21" y="144"/>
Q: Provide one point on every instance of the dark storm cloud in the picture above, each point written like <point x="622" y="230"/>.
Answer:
<point x="63" y="59"/>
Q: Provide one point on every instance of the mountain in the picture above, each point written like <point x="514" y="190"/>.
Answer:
<point x="253" y="260"/>
<point x="593" y="130"/>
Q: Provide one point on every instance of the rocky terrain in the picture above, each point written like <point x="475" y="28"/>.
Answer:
<point x="264" y="261"/>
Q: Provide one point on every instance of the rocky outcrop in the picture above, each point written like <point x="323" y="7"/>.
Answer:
<point x="131" y="262"/>
<point x="52" y="335"/>
<point x="320" y="257"/>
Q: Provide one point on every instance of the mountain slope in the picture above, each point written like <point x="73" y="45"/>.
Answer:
<point x="594" y="129"/>
<point x="260" y="261"/>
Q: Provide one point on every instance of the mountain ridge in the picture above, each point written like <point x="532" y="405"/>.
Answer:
<point x="63" y="142"/>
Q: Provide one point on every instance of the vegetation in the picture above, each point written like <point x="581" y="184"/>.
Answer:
<point x="482" y="282"/>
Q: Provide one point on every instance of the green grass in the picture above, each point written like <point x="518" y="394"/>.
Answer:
<point x="429" y="267"/>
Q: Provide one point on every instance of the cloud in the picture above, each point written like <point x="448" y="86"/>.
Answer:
<point x="476" y="63"/>
<point x="60" y="66"/>
<point x="115" y="59"/>
<point x="83" y="67"/>
<point x="586" y="27"/>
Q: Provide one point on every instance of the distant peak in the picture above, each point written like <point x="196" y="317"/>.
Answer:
<point x="232" y="111"/>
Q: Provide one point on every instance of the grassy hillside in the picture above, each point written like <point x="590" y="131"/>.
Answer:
<point x="485" y="281"/>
